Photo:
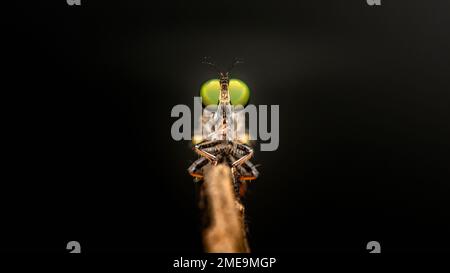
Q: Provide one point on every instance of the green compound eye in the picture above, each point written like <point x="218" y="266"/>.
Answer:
<point x="239" y="92"/>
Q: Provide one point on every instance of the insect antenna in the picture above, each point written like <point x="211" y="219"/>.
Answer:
<point x="235" y="62"/>
<point x="208" y="61"/>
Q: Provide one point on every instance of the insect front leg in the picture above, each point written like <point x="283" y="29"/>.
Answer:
<point x="248" y="154"/>
<point x="201" y="150"/>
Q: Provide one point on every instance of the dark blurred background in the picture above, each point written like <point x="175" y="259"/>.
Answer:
<point x="364" y="123"/>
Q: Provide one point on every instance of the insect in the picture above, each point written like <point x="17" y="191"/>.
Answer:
<point x="221" y="147"/>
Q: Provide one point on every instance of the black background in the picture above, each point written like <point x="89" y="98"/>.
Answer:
<point x="364" y="123"/>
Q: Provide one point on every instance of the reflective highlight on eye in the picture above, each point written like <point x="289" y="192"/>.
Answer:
<point x="239" y="92"/>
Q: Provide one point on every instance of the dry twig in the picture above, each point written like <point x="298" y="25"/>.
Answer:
<point x="224" y="230"/>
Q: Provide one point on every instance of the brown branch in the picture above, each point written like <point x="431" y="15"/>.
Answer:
<point x="224" y="230"/>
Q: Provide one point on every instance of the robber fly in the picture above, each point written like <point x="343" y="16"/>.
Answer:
<point x="223" y="148"/>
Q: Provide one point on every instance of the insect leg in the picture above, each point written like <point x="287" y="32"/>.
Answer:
<point x="195" y="168"/>
<point x="200" y="149"/>
<point x="252" y="175"/>
<point x="247" y="150"/>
